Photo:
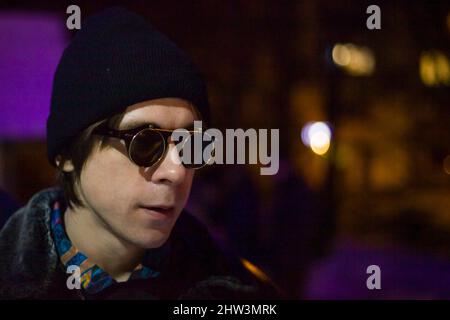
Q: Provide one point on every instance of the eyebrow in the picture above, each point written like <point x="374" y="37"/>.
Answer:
<point x="139" y="123"/>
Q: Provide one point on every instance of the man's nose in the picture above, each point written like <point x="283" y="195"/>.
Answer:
<point x="170" y="169"/>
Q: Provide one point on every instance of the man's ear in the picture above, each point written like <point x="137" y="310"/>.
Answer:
<point x="65" y="165"/>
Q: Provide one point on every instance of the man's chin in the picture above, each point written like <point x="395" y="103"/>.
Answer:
<point x="152" y="241"/>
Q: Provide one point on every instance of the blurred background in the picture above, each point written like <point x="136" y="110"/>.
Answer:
<point x="363" y="114"/>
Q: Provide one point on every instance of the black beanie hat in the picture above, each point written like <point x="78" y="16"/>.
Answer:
<point x="117" y="59"/>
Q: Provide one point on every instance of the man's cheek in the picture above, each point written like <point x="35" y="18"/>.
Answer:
<point x="184" y="193"/>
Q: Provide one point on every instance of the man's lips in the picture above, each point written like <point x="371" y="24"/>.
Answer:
<point x="159" y="212"/>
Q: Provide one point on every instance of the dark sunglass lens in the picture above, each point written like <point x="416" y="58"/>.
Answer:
<point x="147" y="147"/>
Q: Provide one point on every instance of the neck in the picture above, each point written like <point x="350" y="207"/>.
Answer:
<point x="91" y="236"/>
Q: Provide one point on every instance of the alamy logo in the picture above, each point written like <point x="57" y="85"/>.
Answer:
<point x="374" y="20"/>
<point x="74" y="20"/>
<point x="210" y="146"/>
<point x="74" y="280"/>
<point x="374" y="281"/>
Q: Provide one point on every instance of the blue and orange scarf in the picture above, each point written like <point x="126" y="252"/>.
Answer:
<point x="93" y="279"/>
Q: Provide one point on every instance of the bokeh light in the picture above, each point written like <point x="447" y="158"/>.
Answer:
<point x="434" y="68"/>
<point x="341" y="55"/>
<point x="317" y="136"/>
<point x="355" y="60"/>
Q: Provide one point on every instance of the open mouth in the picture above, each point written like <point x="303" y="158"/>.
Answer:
<point x="158" y="212"/>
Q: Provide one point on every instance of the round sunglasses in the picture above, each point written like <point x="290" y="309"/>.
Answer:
<point x="147" y="144"/>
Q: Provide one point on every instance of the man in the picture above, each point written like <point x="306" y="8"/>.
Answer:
<point x="116" y="228"/>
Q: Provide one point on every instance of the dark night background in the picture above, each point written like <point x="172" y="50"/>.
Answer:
<point x="380" y="195"/>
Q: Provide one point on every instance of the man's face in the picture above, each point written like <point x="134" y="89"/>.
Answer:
<point x="126" y="197"/>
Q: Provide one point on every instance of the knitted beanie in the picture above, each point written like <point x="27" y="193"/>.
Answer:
<point x="117" y="59"/>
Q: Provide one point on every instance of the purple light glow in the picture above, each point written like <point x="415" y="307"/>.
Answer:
<point x="31" y="45"/>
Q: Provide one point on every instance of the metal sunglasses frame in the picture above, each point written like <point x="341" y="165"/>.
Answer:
<point x="129" y="135"/>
